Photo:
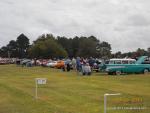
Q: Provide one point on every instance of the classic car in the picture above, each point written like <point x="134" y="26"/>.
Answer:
<point x="97" y="65"/>
<point x="128" y="66"/>
<point x="60" y="64"/>
<point x="51" y="64"/>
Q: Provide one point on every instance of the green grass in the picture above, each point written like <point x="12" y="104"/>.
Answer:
<point x="67" y="92"/>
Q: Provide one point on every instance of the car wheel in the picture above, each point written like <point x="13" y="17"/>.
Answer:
<point x="118" y="72"/>
<point x="146" y="71"/>
<point x="110" y="73"/>
<point x="97" y="70"/>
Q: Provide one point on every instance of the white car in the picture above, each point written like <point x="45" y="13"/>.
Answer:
<point x="51" y="64"/>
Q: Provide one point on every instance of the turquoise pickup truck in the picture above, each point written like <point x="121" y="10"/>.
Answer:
<point x="128" y="66"/>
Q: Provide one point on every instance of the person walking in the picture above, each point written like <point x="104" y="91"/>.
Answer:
<point x="74" y="63"/>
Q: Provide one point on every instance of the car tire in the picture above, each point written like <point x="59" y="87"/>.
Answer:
<point x="146" y="71"/>
<point x="118" y="72"/>
<point x="110" y="73"/>
<point x="97" y="70"/>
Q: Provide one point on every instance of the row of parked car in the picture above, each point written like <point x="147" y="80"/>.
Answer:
<point x="6" y="61"/>
<point x="58" y="63"/>
<point x="112" y="66"/>
<point x="44" y="62"/>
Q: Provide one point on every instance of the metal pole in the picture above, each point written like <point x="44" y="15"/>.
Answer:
<point x="105" y="103"/>
<point x="105" y="100"/>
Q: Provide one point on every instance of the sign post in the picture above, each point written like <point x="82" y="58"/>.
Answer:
<point x="39" y="81"/>
<point x="105" y="100"/>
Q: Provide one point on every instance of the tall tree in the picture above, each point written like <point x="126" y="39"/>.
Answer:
<point x="47" y="47"/>
<point x="66" y="44"/>
<point x="23" y="45"/>
<point x="103" y="50"/>
<point x="87" y="47"/>
<point x="4" y="51"/>
<point x="13" y="48"/>
<point x="75" y="46"/>
<point x="118" y="54"/>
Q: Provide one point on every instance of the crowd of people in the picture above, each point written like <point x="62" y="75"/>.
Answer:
<point x="82" y="65"/>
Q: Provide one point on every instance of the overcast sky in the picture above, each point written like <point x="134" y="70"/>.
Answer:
<point x="125" y="24"/>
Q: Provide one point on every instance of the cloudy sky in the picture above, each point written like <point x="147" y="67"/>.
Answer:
<point x="125" y="24"/>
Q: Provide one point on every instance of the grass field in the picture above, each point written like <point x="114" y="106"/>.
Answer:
<point x="67" y="92"/>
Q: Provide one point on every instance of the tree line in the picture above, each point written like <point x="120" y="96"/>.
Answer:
<point x="16" y="48"/>
<point x="135" y="54"/>
<point x="49" y="46"/>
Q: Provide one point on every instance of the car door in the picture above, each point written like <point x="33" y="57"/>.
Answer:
<point x="133" y="68"/>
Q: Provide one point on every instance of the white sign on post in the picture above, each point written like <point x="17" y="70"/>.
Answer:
<point x="39" y="81"/>
<point x="105" y="100"/>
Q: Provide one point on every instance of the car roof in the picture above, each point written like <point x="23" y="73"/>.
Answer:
<point x="116" y="59"/>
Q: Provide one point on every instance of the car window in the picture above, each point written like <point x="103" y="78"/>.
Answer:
<point x="118" y="62"/>
<point x="146" y="61"/>
<point x="125" y="62"/>
<point x="107" y="62"/>
<point x="111" y="62"/>
<point x="131" y="62"/>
